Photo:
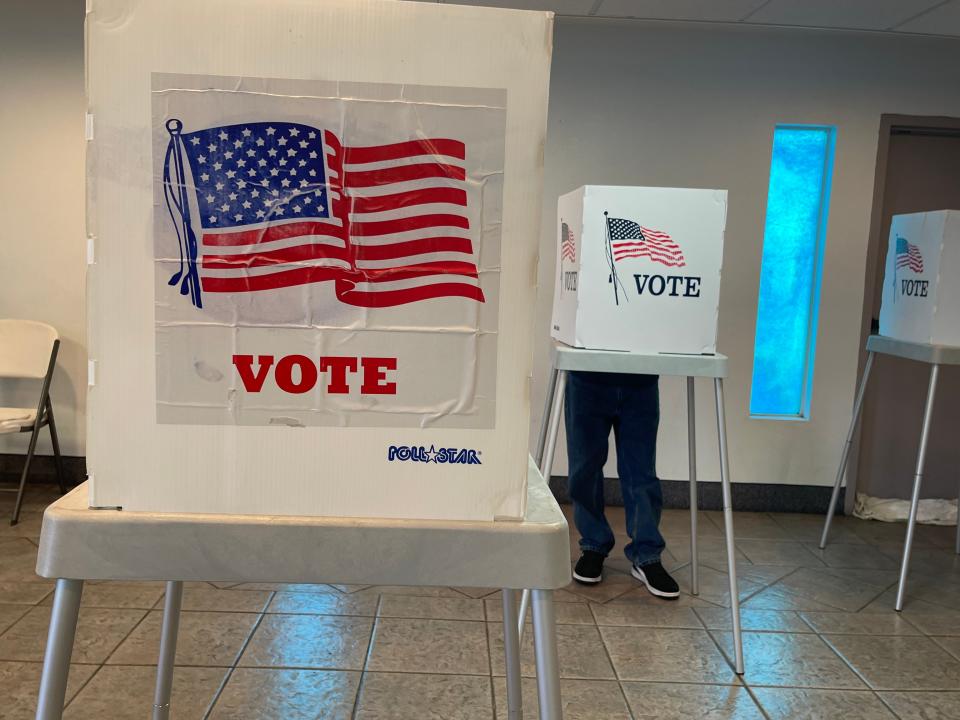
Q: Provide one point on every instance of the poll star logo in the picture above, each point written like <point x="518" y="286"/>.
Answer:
<point x="443" y="455"/>
<point x="908" y="256"/>
<point x="628" y="239"/>
<point x="283" y="204"/>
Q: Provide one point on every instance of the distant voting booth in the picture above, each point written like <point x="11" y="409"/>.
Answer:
<point x="921" y="299"/>
<point x="638" y="269"/>
<point x="313" y="252"/>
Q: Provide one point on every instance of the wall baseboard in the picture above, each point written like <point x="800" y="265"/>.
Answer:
<point x="42" y="469"/>
<point x="765" y="497"/>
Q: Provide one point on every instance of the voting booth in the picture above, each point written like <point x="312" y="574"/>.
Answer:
<point x="638" y="269"/>
<point x="312" y="256"/>
<point x="921" y="298"/>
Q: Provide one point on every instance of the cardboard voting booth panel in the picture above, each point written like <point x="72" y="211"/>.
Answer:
<point x="921" y="295"/>
<point x="313" y="255"/>
<point x="638" y="269"/>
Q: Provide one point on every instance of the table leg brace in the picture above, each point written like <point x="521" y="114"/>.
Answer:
<point x="511" y="654"/>
<point x="545" y="647"/>
<point x="917" y="482"/>
<point x="551" y="422"/>
<point x="168" y="649"/>
<point x="728" y="529"/>
<point x="56" y="660"/>
<point x="692" y="458"/>
<point x="845" y="456"/>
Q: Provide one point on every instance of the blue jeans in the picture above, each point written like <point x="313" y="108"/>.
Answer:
<point x="630" y="404"/>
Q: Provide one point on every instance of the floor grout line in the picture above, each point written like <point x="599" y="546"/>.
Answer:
<point x="613" y="666"/>
<point x="835" y="594"/>
<point x="366" y="658"/>
<point x="109" y="655"/>
<point x="756" y="700"/>
<point x="236" y="660"/>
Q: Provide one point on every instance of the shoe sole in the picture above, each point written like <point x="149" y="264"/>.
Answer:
<point x="639" y="575"/>
<point x="587" y="580"/>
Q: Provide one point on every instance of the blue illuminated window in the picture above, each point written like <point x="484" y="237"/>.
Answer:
<point x="790" y="272"/>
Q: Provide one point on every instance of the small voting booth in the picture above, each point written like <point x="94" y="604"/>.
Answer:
<point x="638" y="269"/>
<point x="312" y="256"/>
<point x="921" y="301"/>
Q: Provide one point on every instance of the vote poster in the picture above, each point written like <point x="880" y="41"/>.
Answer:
<point x="326" y="253"/>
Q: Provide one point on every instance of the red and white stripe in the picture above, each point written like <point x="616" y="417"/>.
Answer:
<point x="399" y="232"/>
<point x="409" y="229"/>
<point x="568" y="249"/>
<point x="657" y="245"/>
<point x="911" y="259"/>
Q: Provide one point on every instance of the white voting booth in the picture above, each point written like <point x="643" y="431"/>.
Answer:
<point x="313" y="256"/>
<point x="921" y="299"/>
<point x="312" y="266"/>
<point x="639" y="268"/>
<point x="637" y="291"/>
<point x="919" y="320"/>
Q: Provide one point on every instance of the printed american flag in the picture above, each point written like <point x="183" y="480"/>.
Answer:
<point x="908" y="255"/>
<point x="568" y="248"/>
<point x="284" y="204"/>
<point x="629" y="240"/>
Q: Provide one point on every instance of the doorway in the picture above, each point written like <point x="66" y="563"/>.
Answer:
<point x="918" y="169"/>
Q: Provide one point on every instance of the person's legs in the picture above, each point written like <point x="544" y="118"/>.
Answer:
<point x="635" y="431"/>
<point x="588" y="416"/>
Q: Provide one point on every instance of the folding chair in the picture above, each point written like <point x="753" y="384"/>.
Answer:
<point x="28" y="350"/>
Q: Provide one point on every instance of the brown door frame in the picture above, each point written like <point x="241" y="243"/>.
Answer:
<point x="888" y="123"/>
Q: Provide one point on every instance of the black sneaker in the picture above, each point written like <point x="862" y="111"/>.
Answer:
<point x="657" y="580"/>
<point x="589" y="569"/>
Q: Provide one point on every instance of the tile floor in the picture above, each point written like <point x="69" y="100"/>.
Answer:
<point x="821" y="638"/>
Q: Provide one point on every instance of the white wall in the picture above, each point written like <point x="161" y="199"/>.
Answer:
<point x="42" y="246"/>
<point x="636" y="103"/>
<point x="631" y="103"/>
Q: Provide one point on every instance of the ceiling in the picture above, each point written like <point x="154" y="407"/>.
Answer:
<point x="929" y="17"/>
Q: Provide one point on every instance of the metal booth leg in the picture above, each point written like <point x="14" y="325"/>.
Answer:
<point x="511" y="654"/>
<point x="56" y="659"/>
<point x="552" y="424"/>
<point x="917" y="481"/>
<point x="168" y="649"/>
<point x="545" y="647"/>
<point x="692" y="456"/>
<point x="728" y="529"/>
<point x="857" y="406"/>
<point x="55" y="441"/>
<point x="545" y="419"/>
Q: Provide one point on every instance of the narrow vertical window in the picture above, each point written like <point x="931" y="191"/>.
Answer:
<point x="790" y="271"/>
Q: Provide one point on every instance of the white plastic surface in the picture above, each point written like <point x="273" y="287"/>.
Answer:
<point x="12" y="418"/>
<point x="921" y="285"/>
<point x="25" y="347"/>
<point x="578" y="359"/>
<point x="638" y="268"/>
<point x="921" y="352"/>
<point x="174" y="425"/>
<point x="78" y="542"/>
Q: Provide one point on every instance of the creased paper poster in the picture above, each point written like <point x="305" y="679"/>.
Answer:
<point x="326" y="253"/>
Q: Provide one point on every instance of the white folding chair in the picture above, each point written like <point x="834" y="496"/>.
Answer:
<point x="28" y="350"/>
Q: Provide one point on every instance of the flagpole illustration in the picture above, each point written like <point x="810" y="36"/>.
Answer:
<point x="175" y="194"/>
<point x="896" y="268"/>
<point x="613" y="270"/>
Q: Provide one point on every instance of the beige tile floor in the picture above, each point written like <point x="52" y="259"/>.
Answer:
<point x="821" y="638"/>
